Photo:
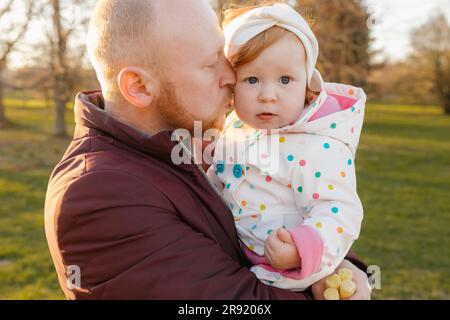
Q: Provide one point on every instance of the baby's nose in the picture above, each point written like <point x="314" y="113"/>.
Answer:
<point x="267" y="96"/>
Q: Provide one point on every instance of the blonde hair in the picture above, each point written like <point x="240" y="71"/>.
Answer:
<point x="255" y="46"/>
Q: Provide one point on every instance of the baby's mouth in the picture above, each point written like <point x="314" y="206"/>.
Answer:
<point x="266" y="116"/>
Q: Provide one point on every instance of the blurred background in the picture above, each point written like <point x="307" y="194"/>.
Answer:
<point x="398" y="51"/>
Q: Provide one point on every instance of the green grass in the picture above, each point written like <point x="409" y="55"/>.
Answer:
<point x="403" y="166"/>
<point x="28" y="152"/>
<point x="403" y="179"/>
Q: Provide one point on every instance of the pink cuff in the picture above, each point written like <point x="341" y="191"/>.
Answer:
<point x="310" y="250"/>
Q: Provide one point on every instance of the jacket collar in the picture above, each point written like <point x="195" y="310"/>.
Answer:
<point x="90" y="113"/>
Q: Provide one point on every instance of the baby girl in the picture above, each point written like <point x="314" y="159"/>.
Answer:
<point x="290" y="182"/>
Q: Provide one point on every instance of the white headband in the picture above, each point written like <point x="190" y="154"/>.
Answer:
<point x="248" y="25"/>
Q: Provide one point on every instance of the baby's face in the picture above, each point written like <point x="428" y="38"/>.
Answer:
<point x="270" y="90"/>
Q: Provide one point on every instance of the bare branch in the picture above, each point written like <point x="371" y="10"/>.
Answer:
<point x="6" y="9"/>
<point x="10" y="44"/>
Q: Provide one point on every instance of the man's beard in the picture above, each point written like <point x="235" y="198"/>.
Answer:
<point x="177" y="116"/>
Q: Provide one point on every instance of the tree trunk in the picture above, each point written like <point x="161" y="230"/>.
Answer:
<point x="447" y="106"/>
<point x="59" y="71"/>
<point x="60" y="109"/>
<point x="3" y="120"/>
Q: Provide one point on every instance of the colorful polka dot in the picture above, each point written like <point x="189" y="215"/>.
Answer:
<point x="289" y="186"/>
<point x="220" y="168"/>
<point x="319" y="225"/>
<point x="300" y="189"/>
<point x="317" y="174"/>
<point x="244" y="203"/>
<point x="343" y="174"/>
<point x="228" y="185"/>
<point x="264" y="155"/>
<point x="251" y="247"/>
<point x="290" y="157"/>
<point x="254" y="216"/>
<point x="238" y="124"/>
<point x="349" y="162"/>
<point x="333" y="125"/>
<point x="268" y="179"/>
<point x="237" y="171"/>
<point x="326" y="145"/>
<point x="335" y="210"/>
<point x="262" y="207"/>
<point x="330" y="187"/>
<point x="351" y="92"/>
<point x="254" y="227"/>
<point x="282" y="139"/>
<point x="315" y="196"/>
<point x="353" y="130"/>
<point x="302" y="163"/>
<point x="340" y="230"/>
<point x="269" y="231"/>
<point x="353" y="109"/>
<point x="240" y="211"/>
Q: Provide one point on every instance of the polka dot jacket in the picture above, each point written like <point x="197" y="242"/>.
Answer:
<point x="300" y="177"/>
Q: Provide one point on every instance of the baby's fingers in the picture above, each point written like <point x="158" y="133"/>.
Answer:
<point x="285" y="236"/>
<point x="274" y="243"/>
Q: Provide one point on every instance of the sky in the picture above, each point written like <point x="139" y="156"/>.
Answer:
<point x="394" y="21"/>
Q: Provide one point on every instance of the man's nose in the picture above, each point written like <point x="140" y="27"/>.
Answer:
<point x="229" y="76"/>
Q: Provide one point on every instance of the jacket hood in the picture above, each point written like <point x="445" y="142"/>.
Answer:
<point x="344" y="125"/>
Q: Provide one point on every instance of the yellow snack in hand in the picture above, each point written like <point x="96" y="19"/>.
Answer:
<point x="345" y="274"/>
<point x="347" y="289"/>
<point x="331" y="294"/>
<point x="333" y="281"/>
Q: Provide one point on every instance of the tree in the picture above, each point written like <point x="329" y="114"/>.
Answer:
<point x="61" y="70"/>
<point x="11" y="35"/>
<point x="344" y="38"/>
<point x="431" y="56"/>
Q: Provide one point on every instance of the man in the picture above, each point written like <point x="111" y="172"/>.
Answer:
<point x="122" y="220"/>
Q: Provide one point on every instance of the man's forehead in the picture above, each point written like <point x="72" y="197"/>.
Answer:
<point x="185" y="12"/>
<point x="189" y="30"/>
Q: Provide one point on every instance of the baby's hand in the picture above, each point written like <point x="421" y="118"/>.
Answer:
<point x="281" y="251"/>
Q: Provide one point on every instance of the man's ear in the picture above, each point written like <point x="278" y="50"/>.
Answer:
<point x="137" y="86"/>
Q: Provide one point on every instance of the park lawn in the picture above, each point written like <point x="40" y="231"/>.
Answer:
<point x="403" y="166"/>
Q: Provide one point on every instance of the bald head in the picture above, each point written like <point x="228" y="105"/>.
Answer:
<point x="138" y="33"/>
<point x="141" y="49"/>
<point x="118" y="36"/>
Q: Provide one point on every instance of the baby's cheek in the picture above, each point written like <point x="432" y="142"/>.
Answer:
<point x="291" y="113"/>
<point x="245" y="108"/>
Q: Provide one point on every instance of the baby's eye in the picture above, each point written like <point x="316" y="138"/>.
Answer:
<point x="252" y="80"/>
<point x="285" y="79"/>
